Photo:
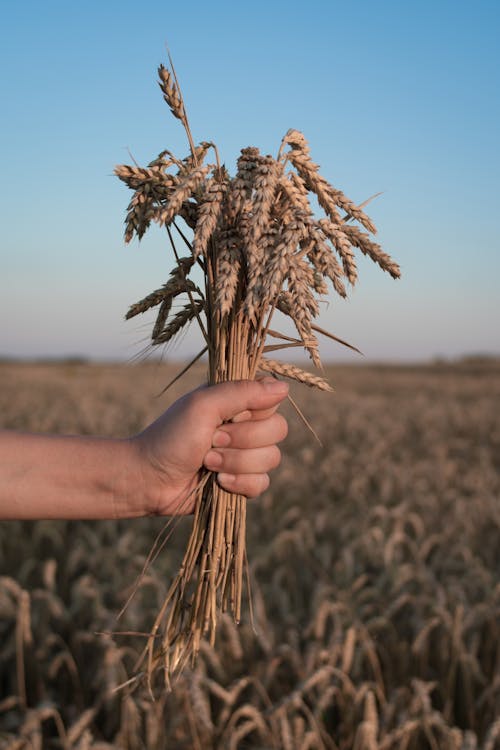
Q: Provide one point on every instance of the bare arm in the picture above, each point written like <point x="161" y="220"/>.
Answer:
<point x="61" y="477"/>
<point x="45" y="476"/>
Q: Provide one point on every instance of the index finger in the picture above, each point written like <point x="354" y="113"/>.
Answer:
<point x="255" y="415"/>
<point x="232" y="399"/>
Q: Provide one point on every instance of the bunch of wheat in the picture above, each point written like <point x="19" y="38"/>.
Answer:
<point x="260" y="248"/>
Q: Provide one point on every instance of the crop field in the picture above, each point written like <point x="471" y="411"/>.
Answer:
<point x="374" y="570"/>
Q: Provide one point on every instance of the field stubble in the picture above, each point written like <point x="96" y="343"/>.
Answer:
<point x="375" y="576"/>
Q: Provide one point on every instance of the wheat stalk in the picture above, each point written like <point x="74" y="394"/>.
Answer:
<point x="260" y="247"/>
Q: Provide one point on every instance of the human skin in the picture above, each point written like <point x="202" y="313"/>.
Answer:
<point x="231" y="428"/>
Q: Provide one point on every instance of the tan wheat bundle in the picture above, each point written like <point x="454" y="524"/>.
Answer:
<point x="260" y="248"/>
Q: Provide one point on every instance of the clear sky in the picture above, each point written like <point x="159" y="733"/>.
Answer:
<point x="395" y="97"/>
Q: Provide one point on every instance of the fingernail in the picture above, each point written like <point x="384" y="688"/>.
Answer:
<point x="221" y="439"/>
<point x="275" y="386"/>
<point x="226" y="478"/>
<point x="213" y="459"/>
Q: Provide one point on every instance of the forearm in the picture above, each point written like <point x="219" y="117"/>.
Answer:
<point x="56" y="477"/>
<point x="154" y="472"/>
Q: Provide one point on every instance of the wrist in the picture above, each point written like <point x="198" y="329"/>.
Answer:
<point x="161" y="492"/>
<point x="140" y="495"/>
<point x="155" y="492"/>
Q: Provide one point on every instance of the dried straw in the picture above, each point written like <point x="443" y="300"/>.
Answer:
<point x="260" y="248"/>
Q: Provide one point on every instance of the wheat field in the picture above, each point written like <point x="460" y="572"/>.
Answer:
<point x="374" y="575"/>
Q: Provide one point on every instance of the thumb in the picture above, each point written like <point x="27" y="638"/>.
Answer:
<point x="233" y="397"/>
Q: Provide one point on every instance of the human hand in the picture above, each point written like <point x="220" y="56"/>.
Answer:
<point x="196" y="431"/>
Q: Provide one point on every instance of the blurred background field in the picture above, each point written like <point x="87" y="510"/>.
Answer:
<point x="375" y="575"/>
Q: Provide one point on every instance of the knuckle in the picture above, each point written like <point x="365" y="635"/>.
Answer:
<point x="256" y="485"/>
<point x="196" y="399"/>
<point x="264" y="482"/>
<point x="243" y="386"/>
<point x="282" y="426"/>
<point x="275" y="457"/>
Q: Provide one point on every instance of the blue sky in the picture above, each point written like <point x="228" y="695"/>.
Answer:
<point x="394" y="97"/>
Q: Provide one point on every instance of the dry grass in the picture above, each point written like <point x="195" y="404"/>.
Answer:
<point x="375" y="575"/>
<point x="260" y="250"/>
